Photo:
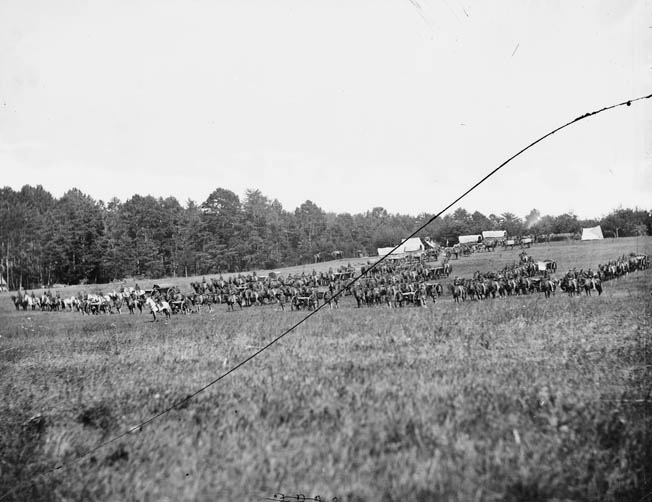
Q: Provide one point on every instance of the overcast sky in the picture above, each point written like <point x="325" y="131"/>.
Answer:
<point x="351" y="104"/>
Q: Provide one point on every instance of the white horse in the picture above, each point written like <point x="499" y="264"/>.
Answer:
<point x="70" y="303"/>
<point x="161" y="306"/>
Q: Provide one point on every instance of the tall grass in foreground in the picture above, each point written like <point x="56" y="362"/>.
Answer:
<point x="517" y="399"/>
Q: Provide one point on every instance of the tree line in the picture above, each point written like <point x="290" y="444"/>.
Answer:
<point x="76" y="239"/>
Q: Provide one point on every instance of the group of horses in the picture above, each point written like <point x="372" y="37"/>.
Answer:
<point x="493" y="286"/>
<point x="95" y="303"/>
<point x="85" y="303"/>
<point x="399" y="283"/>
<point x="47" y="301"/>
<point x="300" y="291"/>
<point x="530" y="277"/>
<point x="623" y="265"/>
<point x="486" y="246"/>
<point x="574" y="282"/>
<point x="395" y="294"/>
<point x="391" y="284"/>
<point x="524" y="277"/>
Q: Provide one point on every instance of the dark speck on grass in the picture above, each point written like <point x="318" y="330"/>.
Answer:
<point x="98" y="416"/>
<point x="183" y="402"/>
<point x="118" y="455"/>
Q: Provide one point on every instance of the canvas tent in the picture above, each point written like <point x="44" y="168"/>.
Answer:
<point x="592" y="234"/>
<point x="410" y="246"/>
<point x="469" y="239"/>
<point x="494" y="234"/>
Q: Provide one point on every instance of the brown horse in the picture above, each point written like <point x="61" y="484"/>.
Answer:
<point x="459" y="292"/>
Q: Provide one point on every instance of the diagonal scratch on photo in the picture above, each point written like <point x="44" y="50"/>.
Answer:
<point x="325" y="251"/>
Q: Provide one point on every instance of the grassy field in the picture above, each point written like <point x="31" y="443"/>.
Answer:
<point x="512" y="399"/>
<point x="567" y="254"/>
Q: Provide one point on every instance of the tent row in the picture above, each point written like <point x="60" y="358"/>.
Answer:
<point x="415" y="244"/>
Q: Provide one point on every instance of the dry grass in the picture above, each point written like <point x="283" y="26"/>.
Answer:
<point x="517" y="399"/>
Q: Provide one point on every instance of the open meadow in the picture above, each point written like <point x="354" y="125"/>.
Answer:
<point x="567" y="254"/>
<point x="520" y="398"/>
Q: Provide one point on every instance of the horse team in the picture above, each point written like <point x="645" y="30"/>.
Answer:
<point x="392" y="284"/>
<point x="530" y="277"/>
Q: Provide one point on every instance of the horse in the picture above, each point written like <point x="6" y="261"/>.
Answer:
<point x="421" y="295"/>
<point x="533" y="284"/>
<point x="435" y="291"/>
<point x="333" y="301"/>
<point x="493" y="288"/>
<point x="490" y="245"/>
<point x="69" y="303"/>
<point x="570" y="286"/>
<point x="458" y="291"/>
<point x="439" y="289"/>
<point x="161" y="306"/>
<point x="200" y="300"/>
<point x="28" y="301"/>
<point x="548" y="288"/>
<point x="358" y="294"/>
<point x="186" y="306"/>
<point x="251" y="297"/>
<point x="231" y="300"/>
<point x="511" y="287"/>
<point x="471" y="291"/>
<point x="597" y="284"/>
<point x="114" y="300"/>
<point x="24" y="300"/>
<point x="131" y="304"/>
<point x="589" y="284"/>
<point x="481" y="290"/>
<point x="522" y="286"/>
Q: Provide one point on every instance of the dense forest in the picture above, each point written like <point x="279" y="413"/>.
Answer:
<point x="76" y="239"/>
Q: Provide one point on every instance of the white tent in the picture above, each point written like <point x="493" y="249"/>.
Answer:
<point x="469" y="239"/>
<point x="410" y="246"/>
<point x="494" y="234"/>
<point x="592" y="234"/>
